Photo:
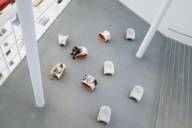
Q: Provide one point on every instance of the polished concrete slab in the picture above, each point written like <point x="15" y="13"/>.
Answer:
<point x="67" y="103"/>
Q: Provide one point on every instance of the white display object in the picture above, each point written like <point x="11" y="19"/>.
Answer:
<point x="5" y="74"/>
<point x="42" y="8"/>
<point x="2" y="62"/>
<point x="130" y="34"/>
<point x="105" y="36"/>
<point x="62" y="5"/>
<point x="62" y="39"/>
<point x="109" y="68"/>
<point x="7" y="26"/>
<point x="104" y="114"/>
<point x="14" y="62"/>
<point x="17" y="30"/>
<point x="12" y="48"/>
<point x="21" y="48"/>
<point x="50" y="13"/>
<point x="11" y="53"/>
<point x="7" y="43"/>
<point x="137" y="93"/>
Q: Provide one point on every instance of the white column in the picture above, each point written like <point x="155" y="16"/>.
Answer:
<point x="29" y="37"/>
<point x="154" y="26"/>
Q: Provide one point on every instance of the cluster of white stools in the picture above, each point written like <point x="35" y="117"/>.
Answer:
<point x="89" y="81"/>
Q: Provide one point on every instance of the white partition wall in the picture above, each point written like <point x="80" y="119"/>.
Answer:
<point x="178" y="17"/>
<point x="12" y="48"/>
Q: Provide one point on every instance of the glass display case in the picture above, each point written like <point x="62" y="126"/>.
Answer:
<point x="12" y="46"/>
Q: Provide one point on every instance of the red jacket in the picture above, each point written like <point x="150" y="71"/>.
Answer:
<point x="4" y="3"/>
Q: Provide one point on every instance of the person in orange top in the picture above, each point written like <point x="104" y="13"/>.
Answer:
<point x="4" y="3"/>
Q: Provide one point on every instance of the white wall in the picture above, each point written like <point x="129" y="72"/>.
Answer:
<point x="178" y="17"/>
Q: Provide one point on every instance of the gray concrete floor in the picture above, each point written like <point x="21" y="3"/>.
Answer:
<point x="67" y="103"/>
